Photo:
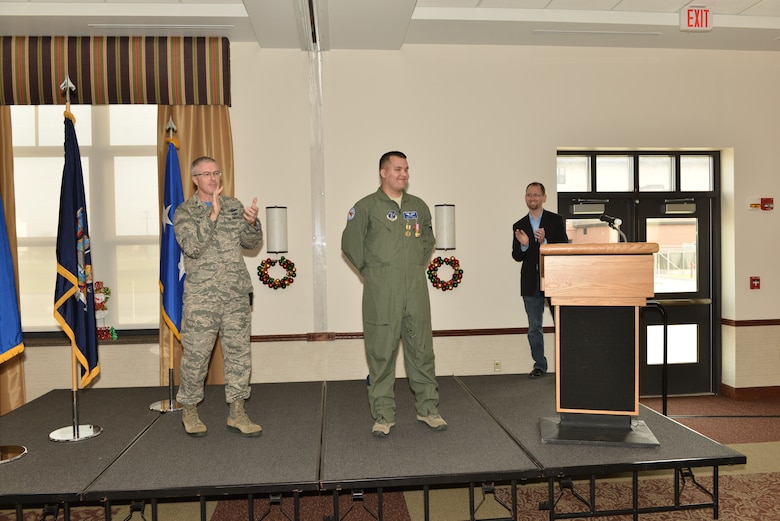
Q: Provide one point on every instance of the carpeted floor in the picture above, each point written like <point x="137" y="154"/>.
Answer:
<point x="742" y="498"/>
<point x="725" y="420"/>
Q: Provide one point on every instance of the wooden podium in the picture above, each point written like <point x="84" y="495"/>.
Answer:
<point x="597" y="290"/>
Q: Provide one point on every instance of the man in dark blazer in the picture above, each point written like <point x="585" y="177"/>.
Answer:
<point x="538" y="227"/>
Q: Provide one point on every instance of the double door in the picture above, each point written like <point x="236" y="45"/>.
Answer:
<point x="684" y="270"/>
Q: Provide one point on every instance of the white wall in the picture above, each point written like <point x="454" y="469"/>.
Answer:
<point x="478" y="123"/>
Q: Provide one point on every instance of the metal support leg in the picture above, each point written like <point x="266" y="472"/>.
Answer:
<point x="359" y="496"/>
<point x="426" y="502"/>
<point x="490" y="488"/>
<point x="50" y="510"/>
<point x="136" y="506"/>
<point x="274" y="499"/>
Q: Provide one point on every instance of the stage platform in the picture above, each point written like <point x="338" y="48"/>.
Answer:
<point x="317" y="439"/>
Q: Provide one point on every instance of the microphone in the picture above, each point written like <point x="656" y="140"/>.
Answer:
<point x="612" y="221"/>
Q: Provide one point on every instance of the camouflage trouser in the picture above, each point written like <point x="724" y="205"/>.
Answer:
<point x="202" y="318"/>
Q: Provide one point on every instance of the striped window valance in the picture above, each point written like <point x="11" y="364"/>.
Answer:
<point x="115" y="69"/>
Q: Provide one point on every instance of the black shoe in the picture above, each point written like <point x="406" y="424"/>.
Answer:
<point x="536" y="373"/>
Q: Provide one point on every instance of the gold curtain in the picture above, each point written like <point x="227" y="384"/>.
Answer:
<point x="12" y="392"/>
<point x="202" y="130"/>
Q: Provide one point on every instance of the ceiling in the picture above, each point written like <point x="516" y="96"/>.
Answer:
<point x="389" y="24"/>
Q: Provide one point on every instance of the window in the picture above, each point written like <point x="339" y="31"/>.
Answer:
<point x="118" y="145"/>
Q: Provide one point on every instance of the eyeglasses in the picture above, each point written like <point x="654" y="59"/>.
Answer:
<point x="215" y="173"/>
<point x="534" y="195"/>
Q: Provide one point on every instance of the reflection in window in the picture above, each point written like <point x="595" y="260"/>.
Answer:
<point x="682" y="340"/>
<point x="573" y="174"/>
<point x="589" y="231"/>
<point x="676" y="260"/>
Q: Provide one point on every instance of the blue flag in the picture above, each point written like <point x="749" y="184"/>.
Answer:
<point x="171" y="259"/>
<point x="74" y="299"/>
<point x="10" y="321"/>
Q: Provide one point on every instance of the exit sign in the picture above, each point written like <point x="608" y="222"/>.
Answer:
<point x="695" y="19"/>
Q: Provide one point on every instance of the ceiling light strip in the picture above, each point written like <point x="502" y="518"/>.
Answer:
<point x="598" y="33"/>
<point x="160" y="26"/>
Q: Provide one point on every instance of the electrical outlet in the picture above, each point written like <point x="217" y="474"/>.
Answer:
<point x="496" y="366"/>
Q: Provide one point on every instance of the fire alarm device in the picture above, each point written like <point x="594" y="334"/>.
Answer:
<point x="767" y="203"/>
<point x="755" y="282"/>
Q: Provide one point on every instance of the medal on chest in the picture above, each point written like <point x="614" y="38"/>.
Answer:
<point x="412" y="221"/>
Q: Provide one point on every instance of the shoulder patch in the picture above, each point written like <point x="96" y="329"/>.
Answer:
<point x="351" y="214"/>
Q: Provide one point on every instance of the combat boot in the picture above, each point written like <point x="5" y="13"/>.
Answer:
<point x="238" y="421"/>
<point x="191" y="421"/>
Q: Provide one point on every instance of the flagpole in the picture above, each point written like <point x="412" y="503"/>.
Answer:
<point x="75" y="432"/>
<point x="171" y="405"/>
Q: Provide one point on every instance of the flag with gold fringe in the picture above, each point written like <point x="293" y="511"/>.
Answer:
<point x="11" y="342"/>
<point x="74" y="300"/>
<point x="171" y="260"/>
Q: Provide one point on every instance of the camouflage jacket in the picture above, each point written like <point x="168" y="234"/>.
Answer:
<point x="212" y="249"/>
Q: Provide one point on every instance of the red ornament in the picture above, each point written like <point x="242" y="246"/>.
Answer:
<point x="433" y="273"/>
<point x="267" y="280"/>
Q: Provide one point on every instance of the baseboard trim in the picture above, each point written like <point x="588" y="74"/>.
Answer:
<point x="750" y="393"/>
<point x="357" y="335"/>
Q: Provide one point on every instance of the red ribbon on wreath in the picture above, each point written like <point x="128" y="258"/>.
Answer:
<point x="433" y="273"/>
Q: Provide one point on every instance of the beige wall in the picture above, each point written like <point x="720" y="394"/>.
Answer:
<point x="478" y="123"/>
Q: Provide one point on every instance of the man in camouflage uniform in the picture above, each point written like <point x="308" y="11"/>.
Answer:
<point x="212" y="229"/>
<point x="389" y="239"/>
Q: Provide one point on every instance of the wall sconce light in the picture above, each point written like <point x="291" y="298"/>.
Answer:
<point x="276" y="219"/>
<point x="445" y="226"/>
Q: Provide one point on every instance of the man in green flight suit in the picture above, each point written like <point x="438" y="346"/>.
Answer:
<point x="389" y="239"/>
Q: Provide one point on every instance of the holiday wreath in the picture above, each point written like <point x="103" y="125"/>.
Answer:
<point x="433" y="273"/>
<point x="266" y="279"/>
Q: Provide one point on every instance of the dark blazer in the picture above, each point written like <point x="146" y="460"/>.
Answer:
<point x="555" y="232"/>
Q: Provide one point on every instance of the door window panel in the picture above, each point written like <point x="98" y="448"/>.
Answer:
<point x="681" y="340"/>
<point x="589" y="231"/>
<point x="675" y="262"/>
